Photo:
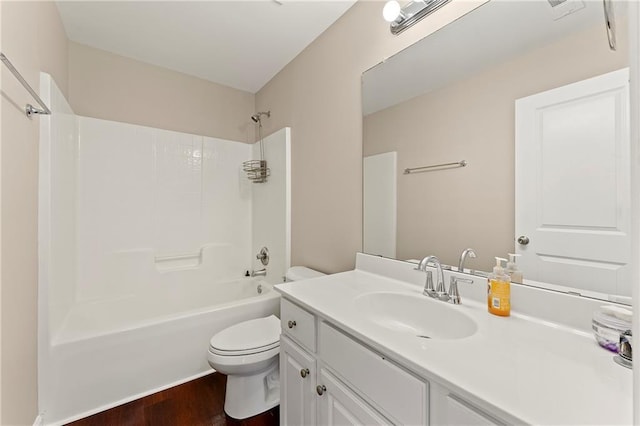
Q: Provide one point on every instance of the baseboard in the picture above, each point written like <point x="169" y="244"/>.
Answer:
<point x="38" y="421"/>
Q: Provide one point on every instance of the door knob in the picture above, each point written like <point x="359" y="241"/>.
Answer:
<point x="304" y="372"/>
<point x="523" y="240"/>
<point x="291" y="324"/>
<point x="321" y="389"/>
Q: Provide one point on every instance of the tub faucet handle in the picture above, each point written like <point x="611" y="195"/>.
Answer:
<point x="263" y="256"/>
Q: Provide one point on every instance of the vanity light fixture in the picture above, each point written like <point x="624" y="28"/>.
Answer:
<point x="403" y="17"/>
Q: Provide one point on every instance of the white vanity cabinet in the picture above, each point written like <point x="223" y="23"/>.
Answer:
<point x="329" y="378"/>
<point x="339" y="405"/>
<point x="308" y="398"/>
<point x="310" y="391"/>
<point x="361" y="335"/>
<point x="448" y="408"/>
<point x="458" y="412"/>
<point x="298" y="399"/>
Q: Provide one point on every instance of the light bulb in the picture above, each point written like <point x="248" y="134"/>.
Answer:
<point x="391" y="11"/>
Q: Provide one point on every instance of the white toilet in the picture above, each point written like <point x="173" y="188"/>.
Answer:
<point x="247" y="353"/>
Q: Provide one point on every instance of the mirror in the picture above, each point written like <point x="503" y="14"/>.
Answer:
<point x="451" y="97"/>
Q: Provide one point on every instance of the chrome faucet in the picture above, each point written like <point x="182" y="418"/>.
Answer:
<point x="439" y="292"/>
<point x="467" y="252"/>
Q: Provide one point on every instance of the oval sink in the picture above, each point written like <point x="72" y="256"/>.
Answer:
<point x="417" y="315"/>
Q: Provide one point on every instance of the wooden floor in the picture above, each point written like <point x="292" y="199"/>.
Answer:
<point x="199" y="402"/>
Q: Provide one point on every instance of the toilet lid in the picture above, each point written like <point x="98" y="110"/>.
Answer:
<point x="299" y="273"/>
<point x="249" y="336"/>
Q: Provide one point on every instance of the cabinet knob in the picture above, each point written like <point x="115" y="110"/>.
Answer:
<point x="304" y="372"/>
<point x="291" y="324"/>
<point x="321" y="389"/>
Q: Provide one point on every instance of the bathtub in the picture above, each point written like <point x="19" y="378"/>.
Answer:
<point x="113" y="351"/>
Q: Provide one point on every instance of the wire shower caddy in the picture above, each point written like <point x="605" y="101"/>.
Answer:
<point x="257" y="170"/>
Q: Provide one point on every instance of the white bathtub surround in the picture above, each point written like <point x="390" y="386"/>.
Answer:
<point x="271" y="206"/>
<point x="535" y="367"/>
<point x="57" y="215"/>
<point x="144" y="239"/>
<point x="149" y="200"/>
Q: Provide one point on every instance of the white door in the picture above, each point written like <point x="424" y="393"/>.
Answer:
<point x="573" y="184"/>
<point x="380" y="204"/>
<point x="297" y="385"/>
<point x="338" y="405"/>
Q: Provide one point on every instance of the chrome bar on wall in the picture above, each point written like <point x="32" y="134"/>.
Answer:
<point x="28" y="109"/>
<point x="435" y="167"/>
<point x="610" y="23"/>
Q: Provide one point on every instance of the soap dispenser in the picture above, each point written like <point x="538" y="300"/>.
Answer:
<point x="512" y="269"/>
<point x="499" y="290"/>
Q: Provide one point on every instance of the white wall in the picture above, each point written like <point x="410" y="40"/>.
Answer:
<point x="271" y="207"/>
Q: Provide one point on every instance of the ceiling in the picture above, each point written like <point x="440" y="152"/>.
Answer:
<point x="237" y="43"/>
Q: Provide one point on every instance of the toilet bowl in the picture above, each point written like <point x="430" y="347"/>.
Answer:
<point x="248" y="353"/>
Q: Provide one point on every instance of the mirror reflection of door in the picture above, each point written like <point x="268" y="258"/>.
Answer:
<point x="380" y="204"/>
<point x="572" y="184"/>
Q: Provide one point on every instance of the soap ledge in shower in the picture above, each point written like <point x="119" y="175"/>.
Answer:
<point x="178" y="261"/>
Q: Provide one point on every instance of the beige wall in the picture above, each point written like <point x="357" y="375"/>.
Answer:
<point x="112" y="87"/>
<point x="474" y="120"/>
<point x="34" y="40"/>
<point x="318" y="95"/>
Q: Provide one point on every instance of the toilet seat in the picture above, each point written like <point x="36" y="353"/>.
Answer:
<point x="251" y="351"/>
<point x="247" y="338"/>
<point x="242" y="364"/>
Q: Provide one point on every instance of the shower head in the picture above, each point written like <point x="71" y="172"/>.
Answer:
<point x="256" y="117"/>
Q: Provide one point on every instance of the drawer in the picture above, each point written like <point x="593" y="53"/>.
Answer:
<point x="298" y="324"/>
<point x="397" y="393"/>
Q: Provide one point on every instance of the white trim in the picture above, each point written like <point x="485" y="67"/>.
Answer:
<point x="287" y="208"/>
<point x="39" y="420"/>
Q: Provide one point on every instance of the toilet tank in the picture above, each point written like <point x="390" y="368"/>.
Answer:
<point x="297" y="273"/>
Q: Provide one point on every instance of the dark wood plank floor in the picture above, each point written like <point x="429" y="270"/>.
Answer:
<point x="196" y="403"/>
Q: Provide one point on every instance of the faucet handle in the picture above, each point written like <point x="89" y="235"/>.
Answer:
<point x="428" y="286"/>
<point x="453" y="288"/>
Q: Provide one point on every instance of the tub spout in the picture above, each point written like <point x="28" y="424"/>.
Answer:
<point x="260" y="273"/>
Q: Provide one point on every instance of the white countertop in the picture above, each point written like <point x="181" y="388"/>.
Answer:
<point x="527" y="370"/>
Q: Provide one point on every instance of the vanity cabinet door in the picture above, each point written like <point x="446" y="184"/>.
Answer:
<point x="458" y="412"/>
<point x="298" y="396"/>
<point x="338" y="405"/>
